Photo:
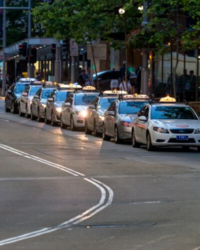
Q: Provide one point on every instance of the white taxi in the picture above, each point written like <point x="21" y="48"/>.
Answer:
<point x="73" y="111"/>
<point x="166" y="123"/>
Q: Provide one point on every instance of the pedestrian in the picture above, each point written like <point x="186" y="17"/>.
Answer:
<point x="8" y="81"/>
<point x="192" y="82"/>
<point x="114" y="83"/>
<point x="123" y="70"/>
<point x="184" y="85"/>
<point x="38" y="76"/>
<point x="83" y="78"/>
<point x="126" y="86"/>
<point x="89" y="76"/>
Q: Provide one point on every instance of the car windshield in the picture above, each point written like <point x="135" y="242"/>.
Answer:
<point x="130" y="107"/>
<point x="167" y="112"/>
<point x="84" y="99"/>
<point x="105" y="103"/>
<point x="20" y="88"/>
<point x="46" y="93"/>
<point x="61" y="96"/>
<point x="33" y="90"/>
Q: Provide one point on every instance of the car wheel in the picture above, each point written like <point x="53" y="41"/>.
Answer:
<point x="32" y="115"/>
<point x="117" y="138"/>
<point x="45" y="119"/>
<point x="150" y="147"/>
<point x="20" y="112"/>
<point x="104" y="136"/>
<point x="96" y="133"/>
<point x="39" y="117"/>
<point x="27" y="115"/>
<point x="13" y="109"/>
<point x="135" y="144"/>
<point x="87" y="130"/>
<point x="72" y="126"/>
<point x="62" y="125"/>
<point x="53" y="122"/>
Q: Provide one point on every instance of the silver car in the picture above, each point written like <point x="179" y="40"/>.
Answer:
<point x="118" y="119"/>
<point x="26" y="97"/>
<point x="95" y="114"/>
<point x="54" y="106"/>
<point x="39" y="100"/>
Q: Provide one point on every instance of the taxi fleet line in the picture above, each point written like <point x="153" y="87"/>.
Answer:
<point x="112" y="114"/>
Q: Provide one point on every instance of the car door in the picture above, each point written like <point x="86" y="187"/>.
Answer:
<point x="23" y="99"/>
<point x="10" y="97"/>
<point x="35" y="102"/>
<point x="66" y="112"/>
<point x="143" y="125"/>
<point x="137" y="124"/>
<point x="49" y="106"/>
<point x="91" y="114"/>
<point x="108" y="121"/>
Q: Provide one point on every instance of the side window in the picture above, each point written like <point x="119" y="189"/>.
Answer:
<point x="146" y="112"/>
<point x="26" y="90"/>
<point x="39" y="92"/>
<point x="95" y="102"/>
<point x="142" y="111"/>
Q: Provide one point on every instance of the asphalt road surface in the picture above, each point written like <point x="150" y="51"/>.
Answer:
<point x="64" y="190"/>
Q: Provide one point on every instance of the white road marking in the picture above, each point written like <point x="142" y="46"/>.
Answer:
<point x="103" y="203"/>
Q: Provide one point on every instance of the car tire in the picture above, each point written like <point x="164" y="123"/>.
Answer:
<point x="72" y="126"/>
<point x="96" y="133"/>
<point x="117" y="138"/>
<point x="62" y="124"/>
<point x="135" y="144"/>
<point x="20" y="112"/>
<point x="13" y="109"/>
<point x="45" y="119"/>
<point x="53" y="122"/>
<point x="150" y="147"/>
<point x="39" y="117"/>
<point x="87" y="130"/>
<point x="104" y="136"/>
<point x="32" y="115"/>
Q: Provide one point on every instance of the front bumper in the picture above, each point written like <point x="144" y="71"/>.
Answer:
<point x="125" y="133"/>
<point x="161" y="139"/>
<point x="79" y="121"/>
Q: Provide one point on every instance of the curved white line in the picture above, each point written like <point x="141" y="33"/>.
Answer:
<point x="76" y="220"/>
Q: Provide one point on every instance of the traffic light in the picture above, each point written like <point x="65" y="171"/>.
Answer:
<point x="32" y="58"/>
<point x="23" y="49"/>
<point x="65" y="46"/>
<point x="53" y="48"/>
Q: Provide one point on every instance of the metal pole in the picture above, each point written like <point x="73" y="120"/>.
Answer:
<point x="145" y="55"/>
<point x="30" y="73"/>
<point x="4" y="54"/>
<point x="58" y="63"/>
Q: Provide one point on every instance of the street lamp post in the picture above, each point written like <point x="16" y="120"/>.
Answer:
<point x="145" y="56"/>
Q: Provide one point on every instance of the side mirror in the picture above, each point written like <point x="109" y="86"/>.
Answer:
<point x="91" y="107"/>
<point x="36" y="97"/>
<point x="24" y="94"/>
<point x="68" y="104"/>
<point x="50" y="99"/>
<point x="9" y="91"/>
<point x="111" y="113"/>
<point x="143" y="118"/>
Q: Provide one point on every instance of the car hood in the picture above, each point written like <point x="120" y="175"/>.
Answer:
<point x="80" y="108"/>
<point x="127" y="118"/>
<point x="177" y="124"/>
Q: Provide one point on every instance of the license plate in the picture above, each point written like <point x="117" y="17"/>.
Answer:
<point x="182" y="138"/>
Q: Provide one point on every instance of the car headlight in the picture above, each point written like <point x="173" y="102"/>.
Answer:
<point x="161" y="130"/>
<point x="127" y="124"/>
<point x="101" y="118"/>
<point x="42" y="105"/>
<point x="81" y="113"/>
<point x="197" y="131"/>
<point x="58" y="109"/>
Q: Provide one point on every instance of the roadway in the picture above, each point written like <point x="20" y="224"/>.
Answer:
<point x="64" y="190"/>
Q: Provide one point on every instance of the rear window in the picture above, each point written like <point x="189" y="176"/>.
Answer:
<point x="130" y="107"/>
<point x="84" y="99"/>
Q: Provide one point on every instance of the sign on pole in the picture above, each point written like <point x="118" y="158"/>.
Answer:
<point x="73" y="48"/>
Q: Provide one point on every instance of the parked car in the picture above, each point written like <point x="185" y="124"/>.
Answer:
<point x="104" y="78"/>
<point x="12" y="96"/>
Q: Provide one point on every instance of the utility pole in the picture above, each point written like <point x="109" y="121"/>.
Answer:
<point x="4" y="8"/>
<point x="145" y="56"/>
<point x="30" y="66"/>
<point x="58" y="63"/>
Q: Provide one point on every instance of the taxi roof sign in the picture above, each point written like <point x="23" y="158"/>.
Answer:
<point x="36" y="83"/>
<point x="135" y="96"/>
<point x="89" y="88"/>
<point x="167" y="99"/>
<point x="115" y="92"/>
<point x="69" y="86"/>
